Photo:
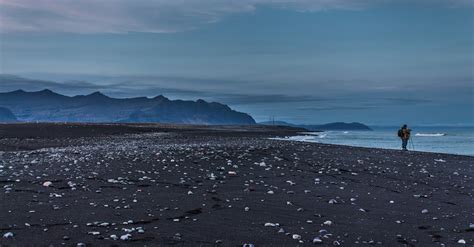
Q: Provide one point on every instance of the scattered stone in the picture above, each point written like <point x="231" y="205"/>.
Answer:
<point x="317" y="240"/>
<point x="47" y="183"/>
<point x="125" y="237"/>
<point x="327" y="223"/>
<point x="296" y="237"/>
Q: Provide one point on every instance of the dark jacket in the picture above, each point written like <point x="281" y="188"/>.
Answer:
<point x="405" y="133"/>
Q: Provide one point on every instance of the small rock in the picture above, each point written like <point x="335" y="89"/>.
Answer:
<point x="317" y="240"/>
<point x="327" y="223"/>
<point x="47" y="183"/>
<point x="296" y="237"/>
<point x="125" y="237"/>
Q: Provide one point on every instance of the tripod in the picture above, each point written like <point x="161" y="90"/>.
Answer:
<point x="412" y="144"/>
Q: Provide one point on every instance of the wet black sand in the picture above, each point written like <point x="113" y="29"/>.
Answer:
<point x="204" y="186"/>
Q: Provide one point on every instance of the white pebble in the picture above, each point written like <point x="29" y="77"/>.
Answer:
<point x="125" y="237"/>
<point x="317" y="240"/>
<point x="327" y="222"/>
<point x="47" y="183"/>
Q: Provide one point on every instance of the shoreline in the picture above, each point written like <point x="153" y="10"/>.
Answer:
<point x="365" y="147"/>
<point x="458" y="142"/>
<point x="188" y="186"/>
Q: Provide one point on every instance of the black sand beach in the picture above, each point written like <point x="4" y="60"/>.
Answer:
<point x="159" y="185"/>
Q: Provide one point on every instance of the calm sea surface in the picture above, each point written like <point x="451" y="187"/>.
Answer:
<point x="453" y="140"/>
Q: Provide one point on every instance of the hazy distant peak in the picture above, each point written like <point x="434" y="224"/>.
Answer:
<point x="19" y="91"/>
<point x="328" y="126"/>
<point x="160" y="97"/>
<point x="46" y="91"/>
<point x="97" y="94"/>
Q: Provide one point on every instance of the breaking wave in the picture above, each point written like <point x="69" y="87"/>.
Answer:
<point x="430" y="134"/>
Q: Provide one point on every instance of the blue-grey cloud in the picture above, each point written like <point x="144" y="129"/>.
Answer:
<point x="12" y="82"/>
<point x="247" y="99"/>
<point x="158" y="16"/>
<point x="334" y="108"/>
<point x="129" y="89"/>
<point x="370" y="107"/>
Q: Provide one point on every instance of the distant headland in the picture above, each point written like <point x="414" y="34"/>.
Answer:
<point x="322" y="127"/>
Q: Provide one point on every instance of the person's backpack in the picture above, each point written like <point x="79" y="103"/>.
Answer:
<point x="400" y="133"/>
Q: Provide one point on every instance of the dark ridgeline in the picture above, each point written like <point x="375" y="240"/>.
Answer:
<point x="48" y="106"/>
<point x="329" y="126"/>
<point x="7" y="116"/>
<point x="340" y="126"/>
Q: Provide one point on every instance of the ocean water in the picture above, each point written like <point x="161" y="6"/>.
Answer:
<point x="452" y="140"/>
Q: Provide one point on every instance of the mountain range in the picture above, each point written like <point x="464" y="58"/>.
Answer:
<point x="321" y="127"/>
<point x="6" y="116"/>
<point x="48" y="106"/>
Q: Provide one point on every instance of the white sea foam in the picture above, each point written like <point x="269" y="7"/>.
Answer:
<point x="300" y="138"/>
<point x="427" y="139"/>
<point x="430" y="134"/>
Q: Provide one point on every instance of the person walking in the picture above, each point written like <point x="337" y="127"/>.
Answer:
<point x="404" y="134"/>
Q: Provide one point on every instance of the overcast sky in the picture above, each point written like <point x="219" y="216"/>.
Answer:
<point x="381" y="62"/>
